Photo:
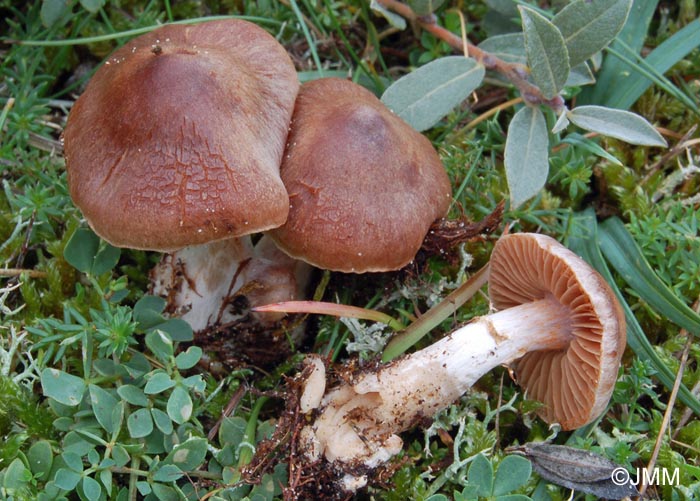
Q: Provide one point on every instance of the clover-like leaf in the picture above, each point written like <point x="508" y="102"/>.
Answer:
<point x="526" y="155"/>
<point x="513" y="472"/>
<point x="620" y="124"/>
<point x="427" y="94"/>
<point x="103" y="403"/>
<point x="139" y="423"/>
<point x="481" y="474"/>
<point x="62" y="387"/>
<point x="188" y="455"/>
<point x="188" y="359"/>
<point x="158" y="383"/>
<point x="546" y="51"/>
<point x="179" y="405"/>
<point x="40" y="458"/>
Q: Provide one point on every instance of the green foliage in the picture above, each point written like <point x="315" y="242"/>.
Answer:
<point x="102" y="396"/>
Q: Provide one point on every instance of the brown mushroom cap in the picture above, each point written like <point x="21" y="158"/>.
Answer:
<point x="178" y="137"/>
<point x="575" y="384"/>
<point x="364" y="187"/>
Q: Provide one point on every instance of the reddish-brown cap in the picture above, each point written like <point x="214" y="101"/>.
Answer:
<point x="575" y="383"/>
<point x="364" y="187"/>
<point x="178" y="137"/>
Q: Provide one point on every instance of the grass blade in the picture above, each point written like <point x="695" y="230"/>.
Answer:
<point x="586" y="244"/>
<point x="615" y="71"/>
<point x="658" y="62"/>
<point x="624" y="255"/>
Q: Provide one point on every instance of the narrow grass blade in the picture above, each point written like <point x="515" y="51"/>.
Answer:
<point x="576" y="139"/>
<point x="586" y="244"/>
<point x="615" y="71"/>
<point x="626" y="257"/>
<point x="658" y="62"/>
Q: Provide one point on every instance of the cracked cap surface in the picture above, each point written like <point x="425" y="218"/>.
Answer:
<point x="178" y="137"/>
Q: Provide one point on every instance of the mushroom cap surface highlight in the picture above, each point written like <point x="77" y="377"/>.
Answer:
<point x="178" y="137"/>
<point x="364" y="187"/>
<point x="575" y="383"/>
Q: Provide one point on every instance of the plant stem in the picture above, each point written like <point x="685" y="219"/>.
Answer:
<point x="516" y="73"/>
<point x="433" y="317"/>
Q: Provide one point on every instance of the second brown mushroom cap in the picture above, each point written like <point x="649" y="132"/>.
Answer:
<point x="364" y="187"/>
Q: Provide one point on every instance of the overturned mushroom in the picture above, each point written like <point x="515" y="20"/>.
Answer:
<point x="176" y="143"/>
<point x="558" y="324"/>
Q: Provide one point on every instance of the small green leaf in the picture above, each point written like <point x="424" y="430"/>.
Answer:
<point x="148" y="311"/>
<point x="140" y="423"/>
<point x="513" y="472"/>
<point x="106" y="479"/>
<point x="424" y="7"/>
<point x="546" y="52"/>
<point x="66" y="479"/>
<point x="510" y="47"/>
<point x="177" y="329"/>
<point x="105" y="259"/>
<point x="590" y="25"/>
<point x="579" y="76"/>
<point x="133" y="395"/>
<point x="40" y="459"/>
<point x="120" y="455"/>
<point x="526" y="155"/>
<point x="160" y="344"/>
<point x="165" y="492"/>
<point x="91" y="488"/>
<point x="232" y="430"/>
<point x="53" y="11"/>
<point x="620" y="124"/>
<point x="167" y="473"/>
<point x="162" y="421"/>
<point x="427" y="94"/>
<point x="158" y="383"/>
<point x="16" y="476"/>
<point x="92" y="5"/>
<point x="189" y="455"/>
<point x="62" y="387"/>
<point x="392" y="18"/>
<point x="179" y="405"/>
<point x="188" y="359"/>
<point x="103" y="404"/>
<point x="81" y="249"/>
<point x="481" y="474"/>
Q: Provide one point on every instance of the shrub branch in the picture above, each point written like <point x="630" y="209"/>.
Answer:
<point x="515" y="73"/>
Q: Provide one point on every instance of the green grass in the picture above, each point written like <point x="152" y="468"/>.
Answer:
<point x="90" y="323"/>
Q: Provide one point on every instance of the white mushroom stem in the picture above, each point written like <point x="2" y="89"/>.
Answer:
<point x="358" y="421"/>
<point x="201" y="282"/>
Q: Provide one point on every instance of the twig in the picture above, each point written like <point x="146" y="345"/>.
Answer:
<point x="677" y="149"/>
<point x="230" y="407"/>
<point x="669" y="407"/>
<point x="15" y="272"/>
<point x="516" y="73"/>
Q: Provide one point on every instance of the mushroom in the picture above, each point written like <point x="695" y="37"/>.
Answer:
<point x="558" y="324"/>
<point x="364" y="187"/>
<point x="176" y="143"/>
